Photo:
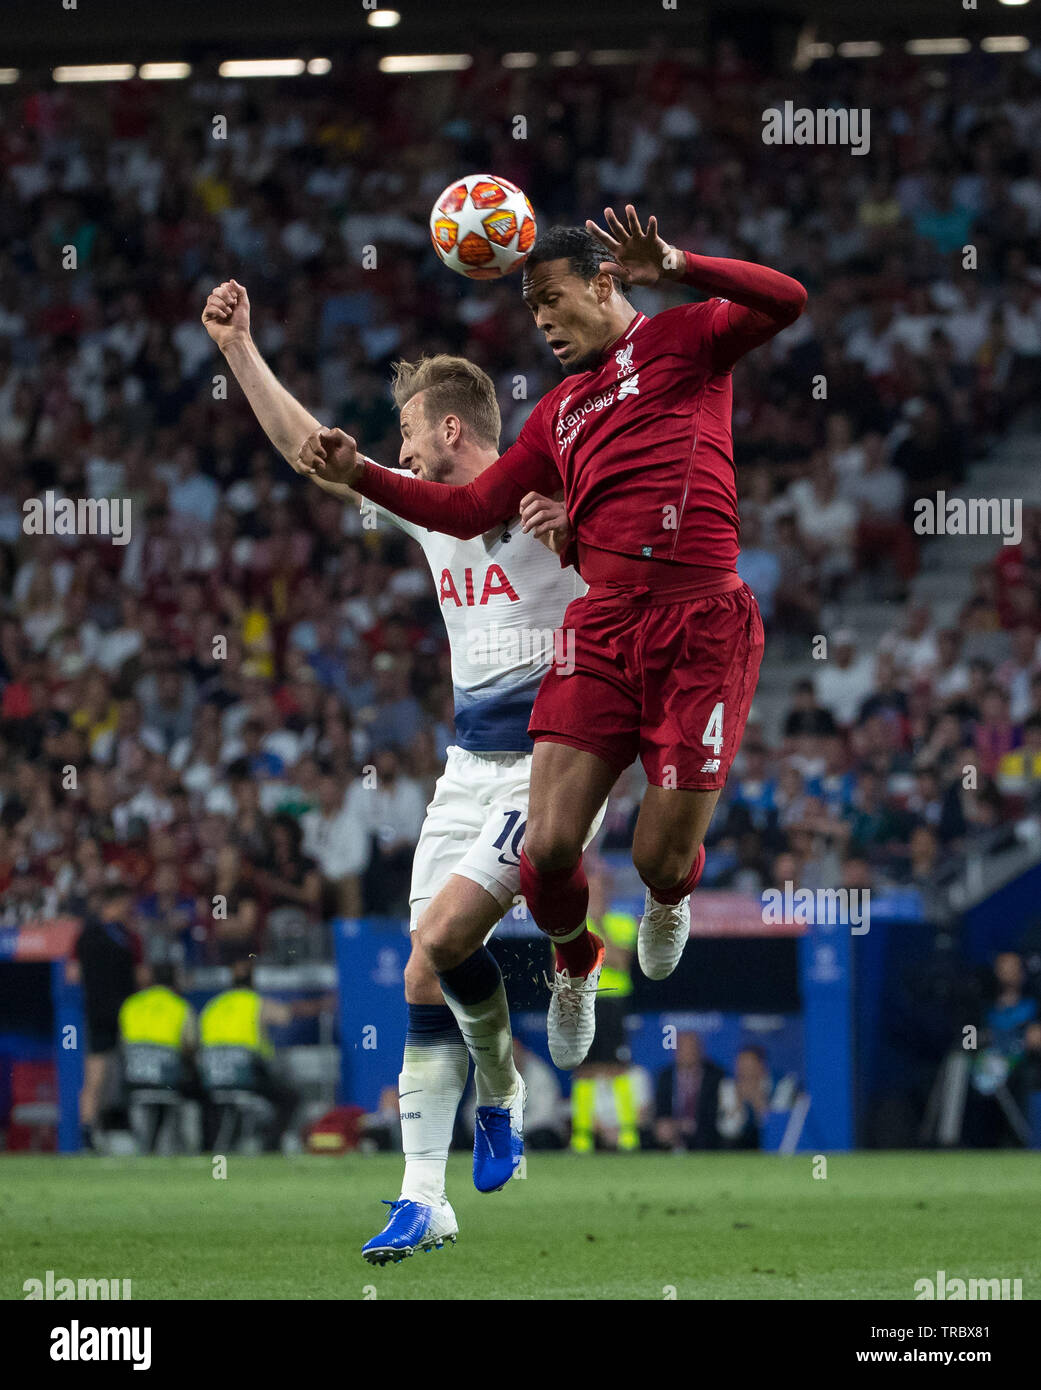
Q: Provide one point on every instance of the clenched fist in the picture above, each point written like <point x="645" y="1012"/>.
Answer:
<point x="329" y="455"/>
<point x="226" y="315"/>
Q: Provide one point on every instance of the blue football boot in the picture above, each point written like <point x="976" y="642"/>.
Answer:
<point x="412" y="1226"/>
<point x="498" y="1142"/>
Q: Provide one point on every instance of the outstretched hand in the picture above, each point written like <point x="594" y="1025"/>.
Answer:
<point x="638" y="255"/>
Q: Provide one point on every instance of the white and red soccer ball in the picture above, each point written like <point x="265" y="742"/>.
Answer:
<point x="482" y="226"/>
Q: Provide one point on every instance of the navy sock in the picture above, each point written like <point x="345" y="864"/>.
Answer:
<point x="430" y="1023"/>
<point x="474" y="979"/>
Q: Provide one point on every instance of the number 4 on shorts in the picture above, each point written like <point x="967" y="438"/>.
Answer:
<point x="713" y="735"/>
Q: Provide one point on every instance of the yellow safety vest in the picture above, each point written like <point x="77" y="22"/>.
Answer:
<point x="620" y="929"/>
<point x="155" y="1016"/>
<point x="232" y="1019"/>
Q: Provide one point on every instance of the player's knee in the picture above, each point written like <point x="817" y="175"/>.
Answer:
<point x="662" y="865"/>
<point x="550" y="847"/>
<point x="441" y="941"/>
<point x="421" y="982"/>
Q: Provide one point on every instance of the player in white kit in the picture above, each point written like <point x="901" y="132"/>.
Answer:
<point x="502" y="597"/>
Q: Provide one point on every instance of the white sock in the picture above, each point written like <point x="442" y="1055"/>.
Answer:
<point x="486" y="1031"/>
<point x="430" y="1087"/>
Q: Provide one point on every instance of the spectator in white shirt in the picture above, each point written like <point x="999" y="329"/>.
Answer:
<point x="872" y="343"/>
<point x="1021" y="321"/>
<point x="845" y="454"/>
<point x="914" y="323"/>
<point x="151" y="804"/>
<point x="949" y="676"/>
<point x="392" y="805"/>
<point x="826" y="521"/>
<point x="846" y="679"/>
<point x="1016" y="674"/>
<point x="337" y="837"/>
<point x="968" y="324"/>
<point x="883" y="537"/>
<point x="913" y="645"/>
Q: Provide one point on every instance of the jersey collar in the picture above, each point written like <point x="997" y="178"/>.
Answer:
<point x="622" y="338"/>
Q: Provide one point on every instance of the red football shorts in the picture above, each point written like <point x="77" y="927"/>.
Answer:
<point x="643" y="674"/>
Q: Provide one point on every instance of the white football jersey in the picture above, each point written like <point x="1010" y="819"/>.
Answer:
<point x="502" y="598"/>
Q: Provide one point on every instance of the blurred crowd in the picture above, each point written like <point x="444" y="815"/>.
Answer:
<point x="241" y="713"/>
<point x="896" y="760"/>
<point x="691" y="1104"/>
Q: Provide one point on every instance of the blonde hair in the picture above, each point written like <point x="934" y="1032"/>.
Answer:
<point x="451" y="386"/>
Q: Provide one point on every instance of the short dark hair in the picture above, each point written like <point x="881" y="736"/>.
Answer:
<point x="575" y="245"/>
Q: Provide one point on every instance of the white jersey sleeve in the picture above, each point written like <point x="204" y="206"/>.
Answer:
<point x="370" y="508"/>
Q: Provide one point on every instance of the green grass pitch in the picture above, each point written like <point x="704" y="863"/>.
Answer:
<point x="709" y="1226"/>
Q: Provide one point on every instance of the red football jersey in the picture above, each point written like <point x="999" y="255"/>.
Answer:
<point x="641" y="444"/>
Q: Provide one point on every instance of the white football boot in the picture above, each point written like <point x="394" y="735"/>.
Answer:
<point x="664" y="930"/>
<point x="571" y="1024"/>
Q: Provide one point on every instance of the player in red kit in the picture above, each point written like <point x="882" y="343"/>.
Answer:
<point x="668" y="640"/>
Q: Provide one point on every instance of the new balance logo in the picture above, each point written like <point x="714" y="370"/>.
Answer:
<point x="630" y="387"/>
<point x="711" y="766"/>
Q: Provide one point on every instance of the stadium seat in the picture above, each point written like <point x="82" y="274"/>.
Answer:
<point x="156" y="1119"/>
<point x="294" y="938"/>
<point x="229" y="1075"/>
<point x="243" y="1116"/>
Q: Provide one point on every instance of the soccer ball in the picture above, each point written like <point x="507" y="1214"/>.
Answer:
<point x="482" y="226"/>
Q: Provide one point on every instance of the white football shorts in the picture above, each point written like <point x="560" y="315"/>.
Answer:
<point x="474" y="827"/>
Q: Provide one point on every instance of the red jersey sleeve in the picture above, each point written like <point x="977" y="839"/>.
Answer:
<point x="493" y="497"/>
<point x="755" y="304"/>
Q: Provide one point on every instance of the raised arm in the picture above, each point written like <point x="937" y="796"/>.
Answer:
<point x="760" y="301"/>
<point x="280" y="415"/>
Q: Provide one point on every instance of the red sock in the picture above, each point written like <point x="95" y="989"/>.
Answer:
<point x="558" y="899"/>
<point x="577" y="957"/>
<point x="677" y="894"/>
